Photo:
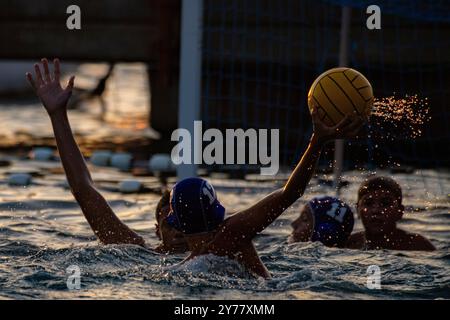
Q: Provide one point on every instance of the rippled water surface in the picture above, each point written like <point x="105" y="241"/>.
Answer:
<point x="43" y="232"/>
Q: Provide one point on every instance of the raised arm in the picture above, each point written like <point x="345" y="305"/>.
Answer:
<point x="105" y="224"/>
<point x="249" y="222"/>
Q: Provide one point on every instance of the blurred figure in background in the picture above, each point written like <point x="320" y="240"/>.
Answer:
<point x="325" y="219"/>
<point x="380" y="208"/>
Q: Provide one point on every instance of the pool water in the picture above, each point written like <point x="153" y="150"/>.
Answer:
<point x="43" y="232"/>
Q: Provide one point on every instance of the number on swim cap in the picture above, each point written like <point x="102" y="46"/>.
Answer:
<point x="208" y="190"/>
<point x="332" y="212"/>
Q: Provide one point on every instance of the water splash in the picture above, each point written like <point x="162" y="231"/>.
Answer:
<point x="396" y="116"/>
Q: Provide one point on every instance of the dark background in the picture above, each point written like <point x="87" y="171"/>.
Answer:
<point x="259" y="59"/>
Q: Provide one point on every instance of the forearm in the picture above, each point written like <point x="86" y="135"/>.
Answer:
<point x="247" y="223"/>
<point x="303" y="172"/>
<point x="105" y="224"/>
<point x="73" y="162"/>
<point x="277" y="202"/>
<point x="253" y="220"/>
<point x="103" y="221"/>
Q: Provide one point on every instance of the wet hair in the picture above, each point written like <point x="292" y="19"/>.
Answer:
<point x="164" y="201"/>
<point x="385" y="184"/>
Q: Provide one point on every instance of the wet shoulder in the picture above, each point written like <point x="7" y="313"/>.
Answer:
<point x="226" y="240"/>
<point x="414" y="241"/>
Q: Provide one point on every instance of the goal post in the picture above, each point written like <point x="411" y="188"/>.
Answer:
<point x="339" y="145"/>
<point x="190" y="75"/>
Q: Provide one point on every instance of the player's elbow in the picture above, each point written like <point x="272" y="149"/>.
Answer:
<point x="290" y="196"/>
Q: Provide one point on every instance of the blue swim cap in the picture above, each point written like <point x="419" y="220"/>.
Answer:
<point x="195" y="207"/>
<point x="333" y="220"/>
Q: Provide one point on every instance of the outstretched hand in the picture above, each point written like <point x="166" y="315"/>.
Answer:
<point x="48" y="89"/>
<point x="347" y="128"/>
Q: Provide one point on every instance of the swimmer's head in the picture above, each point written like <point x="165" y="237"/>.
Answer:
<point x="380" y="204"/>
<point x="324" y="219"/>
<point x="172" y="239"/>
<point x="194" y="207"/>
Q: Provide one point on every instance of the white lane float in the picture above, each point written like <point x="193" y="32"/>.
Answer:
<point x="42" y="154"/>
<point x="130" y="186"/>
<point x="101" y="158"/>
<point x="19" y="179"/>
<point x="161" y="163"/>
<point x="122" y="161"/>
